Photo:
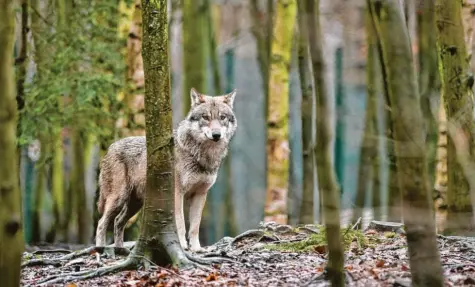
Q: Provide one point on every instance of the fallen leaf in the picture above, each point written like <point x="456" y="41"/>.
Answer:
<point x="320" y="249"/>
<point x="349" y="267"/>
<point x="132" y="282"/>
<point x="404" y="268"/>
<point x="380" y="263"/>
<point x="70" y="285"/>
<point x="211" y="277"/>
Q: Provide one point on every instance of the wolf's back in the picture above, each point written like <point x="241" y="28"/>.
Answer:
<point x="124" y="154"/>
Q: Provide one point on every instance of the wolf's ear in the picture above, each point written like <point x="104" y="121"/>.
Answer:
<point x="196" y="98"/>
<point x="229" y="98"/>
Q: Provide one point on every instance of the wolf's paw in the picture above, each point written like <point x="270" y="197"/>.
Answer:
<point x="197" y="249"/>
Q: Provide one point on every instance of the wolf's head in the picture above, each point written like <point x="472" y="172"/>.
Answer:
<point x="211" y="119"/>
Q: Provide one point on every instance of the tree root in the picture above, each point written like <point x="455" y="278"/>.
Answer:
<point x="249" y="233"/>
<point x="209" y="260"/>
<point x="89" y="250"/>
<point x="45" y="251"/>
<point x="129" y="263"/>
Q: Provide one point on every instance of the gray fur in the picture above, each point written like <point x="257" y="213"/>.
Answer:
<point x="198" y="155"/>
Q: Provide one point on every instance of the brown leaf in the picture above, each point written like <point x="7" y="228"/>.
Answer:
<point x="349" y="267"/>
<point x="404" y="268"/>
<point x="212" y="277"/>
<point x="380" y="263"/>
<point x="320" y="249"/>
<point x="70" y="285"/>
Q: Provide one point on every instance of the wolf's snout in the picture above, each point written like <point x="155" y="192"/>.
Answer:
<point x="216" y="136"/>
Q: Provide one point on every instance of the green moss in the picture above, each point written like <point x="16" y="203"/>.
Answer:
<point x="318" y="240"/>
<point x="389" y="234"/>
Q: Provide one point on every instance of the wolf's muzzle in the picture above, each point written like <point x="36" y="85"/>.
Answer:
<point x="216" y="136"/>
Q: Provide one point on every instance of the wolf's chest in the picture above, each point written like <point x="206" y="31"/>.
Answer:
<point x="197" y="182"/>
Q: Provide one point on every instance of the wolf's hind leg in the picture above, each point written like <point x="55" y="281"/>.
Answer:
<point x="130" y="209"/>
<point x="196" y="209"/>
<point x="105" y="221"/>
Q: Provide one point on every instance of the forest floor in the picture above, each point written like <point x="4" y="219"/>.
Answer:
<point x="272" y="255"/>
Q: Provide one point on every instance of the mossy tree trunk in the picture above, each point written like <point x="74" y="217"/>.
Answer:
<point x="327" y="183"/>
<point x="278" y="106"/>
<point x="306" y="205"/>
<point x="457" y="82"/>
<point x="78" y="188"/>
<point x="158" y="238"/>
<point x="11" y="235"/>
<point x="194" y="57"/>
<point x="408" y="122"/>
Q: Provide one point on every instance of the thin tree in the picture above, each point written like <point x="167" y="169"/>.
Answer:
<point x="11" y="235"/>
<point x="457" y="82"/>
<point x="278" y="104"/>
<point x="406" y="113"/>
<point x="327" y="183"/>
<point x="306" y="204"/>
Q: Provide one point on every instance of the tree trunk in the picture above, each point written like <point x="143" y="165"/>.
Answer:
<point x="457" y="83"/>
<point x="278" y="109"/>
<point x="158" y="238"/>
<point x="194" y="57"/>
<point x="39" y="30"/>
<point x="262" y="25"/>
<point x="368" y="170"/>
<point x="78" y="188"/>
<point x="428" y="80"/>
<point x="11" y="235"/>
<point x="410" y="142"/>
<point x="326" y="176"/>
<point x="306" y="205"/>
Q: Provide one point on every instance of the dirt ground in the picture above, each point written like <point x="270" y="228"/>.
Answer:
<point x="272" y="255"/>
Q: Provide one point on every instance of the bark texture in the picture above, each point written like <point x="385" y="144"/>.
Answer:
<point x="278" y="107"/>
<point x="306" y="205"/>
<point x="158" y="238"/>
<point x="409" y="142"/>
<point x="327" y="183"/>
<point x="457" y="82"/>
<point x="11" y="235"/>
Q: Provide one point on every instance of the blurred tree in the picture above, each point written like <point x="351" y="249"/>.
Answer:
<point x="194" y="52"/>
<point x="457" y="82"/>
<point x="11" y="236"/>
<point x="327" y="183"/>
<point x="278" y="109"/>
<point x="306" y="204"/>
<point x="39" y="20"/>
<point x="368" y="170"/>
<point x="409" y="137"/>
<point x="262" y="26"/>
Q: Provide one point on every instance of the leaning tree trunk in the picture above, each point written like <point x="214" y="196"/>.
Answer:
<point x="306" y="204"/>
<point x="194" y="57"/>
<point x="327" y="184"/>
<point x="278" y="108"/>
<point x="410" y="142"/>
<point x="457" y="82"/>
<point x="158" y="236"/>
<point x="11" y="235"/>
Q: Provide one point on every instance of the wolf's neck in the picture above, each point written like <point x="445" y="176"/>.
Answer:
<point x="205" y="156"/>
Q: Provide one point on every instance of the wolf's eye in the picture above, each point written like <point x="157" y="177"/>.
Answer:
<point x="222" y="117"/>
<point x="205" y="117"/>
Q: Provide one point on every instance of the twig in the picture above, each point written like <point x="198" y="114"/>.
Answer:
<point x="356" y="224"/>
<point x="44" y="251"/>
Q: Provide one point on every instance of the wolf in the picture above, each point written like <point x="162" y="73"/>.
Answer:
<point x="201" y="143"/>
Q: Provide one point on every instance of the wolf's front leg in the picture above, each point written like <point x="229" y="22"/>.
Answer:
<point x="196" y="209"/>
<point x="180" y="219"/>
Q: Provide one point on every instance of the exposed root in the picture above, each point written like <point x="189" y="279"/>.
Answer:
<point x="79" y="253"/>
<point x="249" y="233"/>
<point x="129" y="263"/>
<point x="208" y="260"/>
